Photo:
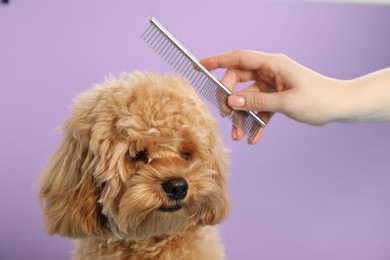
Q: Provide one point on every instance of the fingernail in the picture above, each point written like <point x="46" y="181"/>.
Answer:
<point x="236" y="101"/>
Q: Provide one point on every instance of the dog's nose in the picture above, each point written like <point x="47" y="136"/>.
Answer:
<point x="176" y="189"/>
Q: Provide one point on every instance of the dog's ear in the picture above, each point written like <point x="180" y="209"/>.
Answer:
<point x="68" y="191"/>
<point x="219" y="164"/>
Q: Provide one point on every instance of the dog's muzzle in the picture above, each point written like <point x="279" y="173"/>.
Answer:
<point x="176" y="190"/>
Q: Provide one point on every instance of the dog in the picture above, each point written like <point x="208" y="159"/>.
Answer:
<point x="140" y="173"/>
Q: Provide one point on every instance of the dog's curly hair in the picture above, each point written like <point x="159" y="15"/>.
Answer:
<point x="140" y="173"/>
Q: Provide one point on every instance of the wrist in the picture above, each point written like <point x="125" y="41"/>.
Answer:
<point x="330" y="102"/>
<point x="342" y="103"/>
<point x="354" y="102"/>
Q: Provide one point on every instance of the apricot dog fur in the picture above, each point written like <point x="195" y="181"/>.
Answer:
<point x="140" y="173"/>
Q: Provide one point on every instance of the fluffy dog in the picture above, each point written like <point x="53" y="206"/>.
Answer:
<point x="140" y="173"/>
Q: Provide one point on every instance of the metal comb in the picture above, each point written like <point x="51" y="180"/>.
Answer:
<point x="199" y="77"/>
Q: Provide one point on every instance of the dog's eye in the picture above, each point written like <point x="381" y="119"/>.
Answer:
<point x="185" y="155"/>
<point x="141" y="156"/>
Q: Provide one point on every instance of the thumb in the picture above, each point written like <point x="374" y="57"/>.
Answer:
<point x="256" y="101"/>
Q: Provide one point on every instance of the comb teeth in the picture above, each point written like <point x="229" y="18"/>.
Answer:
<point x="200" y="78"/>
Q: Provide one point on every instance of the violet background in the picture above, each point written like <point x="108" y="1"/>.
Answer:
<point x="302" y="193"/>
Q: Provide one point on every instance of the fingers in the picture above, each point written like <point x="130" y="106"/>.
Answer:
<point x="257" y="101"/>
<point x="238" y="134"/>
<point x="266" y="117"/>
<point x="230" y="80"/>
<point x="242" y="59"/>
<point x="267" y="103"/>
<point x="243" y="66"/>
<point x="245" y="101"/>
<point x="234" y="76"/>
<point x="257" y="137"/>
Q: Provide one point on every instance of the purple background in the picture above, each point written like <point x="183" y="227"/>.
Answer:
<point x="302" y="193"/>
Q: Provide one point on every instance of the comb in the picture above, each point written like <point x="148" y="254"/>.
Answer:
<point x="199" y="77"/>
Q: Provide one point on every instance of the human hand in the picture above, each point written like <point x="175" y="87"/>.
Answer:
<point x="277" y="84"/>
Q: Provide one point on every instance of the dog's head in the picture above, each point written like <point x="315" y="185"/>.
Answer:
<point x="140" y="157"/>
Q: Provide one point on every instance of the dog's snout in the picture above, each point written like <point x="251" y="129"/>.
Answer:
<point x="176" y="189"/>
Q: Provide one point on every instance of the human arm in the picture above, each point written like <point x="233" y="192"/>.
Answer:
<point x="279" y="84"/>
<point x="368" y="98"/>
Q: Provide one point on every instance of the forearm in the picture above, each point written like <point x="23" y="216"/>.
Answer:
<point x="367" y="99"/>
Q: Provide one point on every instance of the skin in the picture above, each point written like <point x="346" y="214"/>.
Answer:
<point x="278" y="84"/>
